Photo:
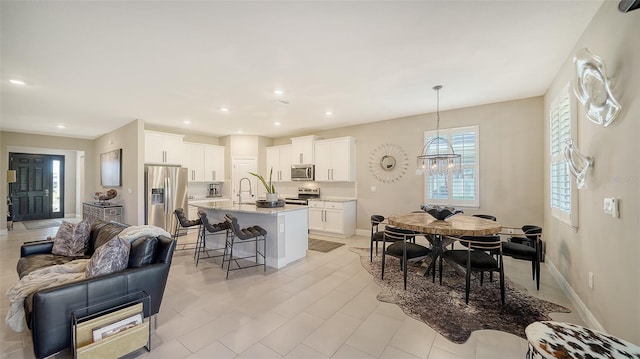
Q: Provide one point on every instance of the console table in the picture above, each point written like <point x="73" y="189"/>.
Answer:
<point x="105" y="212"/>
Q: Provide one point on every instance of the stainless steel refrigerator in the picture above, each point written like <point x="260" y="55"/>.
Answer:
<point x="165" y="189"/>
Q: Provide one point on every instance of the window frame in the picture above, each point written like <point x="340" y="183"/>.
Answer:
<point x="449" y="201"/>
<point x="569" y="215"/>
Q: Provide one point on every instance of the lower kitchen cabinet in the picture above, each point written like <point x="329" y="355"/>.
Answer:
<point x="332" y="218"/>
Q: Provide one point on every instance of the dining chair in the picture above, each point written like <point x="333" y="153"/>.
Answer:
<point x="376" y="234"/>
<point x="528" y="248"/>
<point x="477" y="257"/>
<point x="403" y="248"/>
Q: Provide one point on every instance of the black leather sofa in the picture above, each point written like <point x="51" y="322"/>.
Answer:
<point x="48" y="311"/>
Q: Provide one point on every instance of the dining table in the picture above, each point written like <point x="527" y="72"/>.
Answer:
<point x="441" y="233"/>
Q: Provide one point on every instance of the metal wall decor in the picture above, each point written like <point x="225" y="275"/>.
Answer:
<point x="577" y="164"/>
<point x="592" y="88"/>
<point x="388" y="162"/>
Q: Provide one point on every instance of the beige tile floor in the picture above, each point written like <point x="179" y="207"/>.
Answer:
<point x="323" y="306"/>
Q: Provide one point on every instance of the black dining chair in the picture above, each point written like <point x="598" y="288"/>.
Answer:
<point x="477" y="257"/>
<point x="528" y="248"/>
<point x="376" y="234"/>
<point x="402" y="248"/>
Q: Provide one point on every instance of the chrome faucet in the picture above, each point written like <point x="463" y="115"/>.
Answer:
<point x="240" y="189"/>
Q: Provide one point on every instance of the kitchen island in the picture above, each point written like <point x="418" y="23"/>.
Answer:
<point x="287" y="228"/>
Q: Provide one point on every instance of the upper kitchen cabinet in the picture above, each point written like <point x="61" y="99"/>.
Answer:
<point x="205" y="162"/>
<point x="213" y="163"/>
<point x="162" y="148"/>
<point x="279" y="158"/>
<point x="302" y="150"/>
<point x="335" y="159"/>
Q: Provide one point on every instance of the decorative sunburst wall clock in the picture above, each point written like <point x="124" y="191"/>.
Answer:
<point x="388" y="163"/>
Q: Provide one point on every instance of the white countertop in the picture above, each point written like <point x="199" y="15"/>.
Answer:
<point x="199" y="200"/>
<point x="247" y="208"/>
<point x="333" y="199"/>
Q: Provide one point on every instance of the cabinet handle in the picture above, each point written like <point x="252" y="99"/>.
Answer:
<point x="301" y="158"/>
<point x="332" y="174"/>
<point x="213" y="175"/>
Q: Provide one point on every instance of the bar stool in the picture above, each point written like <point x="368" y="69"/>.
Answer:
<point x="253" y="234"/>
<point x="207" y="230"/>
<point x="182" y="227"/>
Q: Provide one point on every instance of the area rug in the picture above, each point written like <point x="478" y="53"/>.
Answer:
<point x="443" y="307"/>
<point x="322" y="245"/>
<point x="42" y="223"/>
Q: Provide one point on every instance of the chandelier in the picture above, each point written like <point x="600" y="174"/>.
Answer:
<point x="438" y="157"/>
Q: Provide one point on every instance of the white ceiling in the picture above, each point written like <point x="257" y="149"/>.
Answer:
<point x="95" y="66"/>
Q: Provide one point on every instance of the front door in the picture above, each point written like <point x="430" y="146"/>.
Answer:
<point x="38" y="192"/>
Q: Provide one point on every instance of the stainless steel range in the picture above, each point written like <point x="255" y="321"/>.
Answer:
<point x="303" y="196"/>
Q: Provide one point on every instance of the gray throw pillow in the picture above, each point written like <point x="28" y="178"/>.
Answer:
<point x="71" y="239"/>
<point x="111" y="257"/>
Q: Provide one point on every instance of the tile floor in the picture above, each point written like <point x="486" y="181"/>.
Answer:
<point x="323" y="306"/>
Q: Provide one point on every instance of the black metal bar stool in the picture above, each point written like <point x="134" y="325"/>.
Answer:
<point x="253" y="234"/>
<point x="207" y="230"/>
<point x="182" y="227"/>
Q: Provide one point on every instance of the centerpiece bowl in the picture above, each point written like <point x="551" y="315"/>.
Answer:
<point x="440" y="213"/>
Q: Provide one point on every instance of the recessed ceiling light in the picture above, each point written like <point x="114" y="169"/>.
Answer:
<point x="60" y="126"/>
<point x="278" y="92"/>
<point x="328" y="113"/>
<point x="239" y="131"/>
<point x="276" y="123"/>
<point x="186" y="122"/>
<point x="224" y="109"/>
<point x="17" y="82"/>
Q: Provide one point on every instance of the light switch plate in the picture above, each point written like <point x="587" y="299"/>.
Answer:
<point x="611" y="206"/>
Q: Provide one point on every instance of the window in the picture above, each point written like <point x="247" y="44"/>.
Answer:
<point x="563" y="200"/>
<point x="456" y="189"/>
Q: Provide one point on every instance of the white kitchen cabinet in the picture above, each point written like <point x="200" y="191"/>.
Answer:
<point x="332" y="218"/>
<point x="193" y="160"/>
<point x="279" y="158"/>
<point x="205" y="162"/>
<point x="193" y="213"/>
<point x="335" y="160"/>
<point x="213" y="163"/>
<point x="162" y="148"/>
<point x="302" y="150"/>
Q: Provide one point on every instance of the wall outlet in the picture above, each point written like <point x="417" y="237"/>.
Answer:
<point x="373" y="188"/>
<point x="591" y="280"/>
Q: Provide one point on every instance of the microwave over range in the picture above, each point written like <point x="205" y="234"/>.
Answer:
<point x="302" y="172"/>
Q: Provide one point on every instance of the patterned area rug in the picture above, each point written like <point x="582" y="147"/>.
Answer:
<point x="42" y="223"/>
<point x="443" y="307"/>
<point x="322" y="245"/>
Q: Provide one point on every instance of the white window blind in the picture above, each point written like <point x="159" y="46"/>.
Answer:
<point x="456" y="189"/>
<point x="562" y="200"/>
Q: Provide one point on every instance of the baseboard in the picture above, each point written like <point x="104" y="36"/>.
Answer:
<point x="584" y="312"/>
<point x="363" y="232"/>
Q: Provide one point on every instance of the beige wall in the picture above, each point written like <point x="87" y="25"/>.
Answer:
<point x="606" y="246"/>
<point x="511" y="156"/>
<point x="131" y="139"/>
<point x="44" y="144"/>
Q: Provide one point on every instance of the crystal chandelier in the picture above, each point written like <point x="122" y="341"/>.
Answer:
<point x="437" y="155"/>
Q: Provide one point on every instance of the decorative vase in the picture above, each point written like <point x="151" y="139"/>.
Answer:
<point x="272" y="197"/>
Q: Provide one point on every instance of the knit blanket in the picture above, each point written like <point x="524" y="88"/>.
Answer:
<point x="37" y="280"/>
<point x="132" y="233"/>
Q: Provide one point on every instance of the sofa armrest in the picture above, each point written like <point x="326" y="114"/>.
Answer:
<point x="36" y="247"/>
<point x="50" y="317"/>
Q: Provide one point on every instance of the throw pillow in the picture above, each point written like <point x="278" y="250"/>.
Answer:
<point x="111" y="257"/>
<point x="71" y="239"/>
<point x="143" y="252"/>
